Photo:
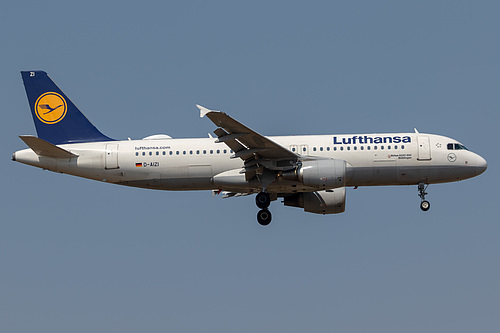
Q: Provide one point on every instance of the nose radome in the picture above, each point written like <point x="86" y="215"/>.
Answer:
<point x="481" y="165"/>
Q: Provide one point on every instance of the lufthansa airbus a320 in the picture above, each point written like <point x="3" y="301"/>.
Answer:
<point x="309" y="172"/>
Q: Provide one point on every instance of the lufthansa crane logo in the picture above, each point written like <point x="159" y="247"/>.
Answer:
<point x="50" y="108"/>
<point x="452" y="157"/>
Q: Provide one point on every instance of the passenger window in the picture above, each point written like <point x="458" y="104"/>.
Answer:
<point x="163" y="153"/>
<point x="388" y="147"/>
<point x="402" y="146"/>
<point x="184" y="152"/>
<point x="328" y="148"/>
<point x="320" y="148"/>
<point x="136" y="153"/>
<point x="395" y="147"/>
<point x="335" y="148"/>
<point x="374" y="147"/>
<point x="177" y="152"/>
<point x="348" y="148"/>
<point x="355" y="148"/>
<point x="293" y="149"/>
<point x="157" y="153"/>
<point x="314" y="148"/>
<point x="171" y="152"/>
<point x="225" y="151"/>
<point x="150" y="153"/>
<point x="204" y="151"/>
<point x="341" y="148"/>
<point x="197" y="152"/>
<point x="218" y="151"/>
<point x="381" y="147"/>
<point x="211" y="151"/>
<point x="362" y="147"/>
<point x="190" y="152"/>
<point x="368" y="148"/>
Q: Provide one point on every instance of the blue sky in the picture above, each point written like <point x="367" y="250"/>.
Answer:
<point x="78" y="255"/>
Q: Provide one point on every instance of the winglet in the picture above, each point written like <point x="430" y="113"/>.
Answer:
<point x="44" y="148"/>
<point x="204" y="111"/>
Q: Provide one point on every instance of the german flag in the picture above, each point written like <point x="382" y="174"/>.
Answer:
<point x="138" y="165"/>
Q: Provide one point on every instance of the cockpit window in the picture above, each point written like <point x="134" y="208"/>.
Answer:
<point x="460" y="147"/>
<point x="456" y="146"/>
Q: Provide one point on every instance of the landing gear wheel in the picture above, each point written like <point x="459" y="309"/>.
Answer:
<point x="425" y="205"/>
<point x="264" y="217"/>
<point x="263" y="200"/>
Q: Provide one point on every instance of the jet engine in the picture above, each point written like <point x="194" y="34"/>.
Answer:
<point x="326" y="174"/>
<point x="321" y="202"/>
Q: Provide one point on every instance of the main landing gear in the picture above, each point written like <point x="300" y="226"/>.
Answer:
<point x="424" y="204"/>
<point x="263" y="200"/>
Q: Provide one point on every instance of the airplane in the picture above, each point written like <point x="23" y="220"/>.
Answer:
<point x="308" y="171"/>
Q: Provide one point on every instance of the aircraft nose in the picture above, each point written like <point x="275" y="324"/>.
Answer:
<point x="481" y="165"/>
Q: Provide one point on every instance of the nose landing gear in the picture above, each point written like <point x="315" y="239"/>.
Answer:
<point x="263" y="200"/>
<point x="424" y="204"/>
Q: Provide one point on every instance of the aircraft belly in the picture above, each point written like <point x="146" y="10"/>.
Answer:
<point x="199" y="175"/>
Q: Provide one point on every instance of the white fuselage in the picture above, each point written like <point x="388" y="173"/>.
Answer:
<point x="192" y="164"/>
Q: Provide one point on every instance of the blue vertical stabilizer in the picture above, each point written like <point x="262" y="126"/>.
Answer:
<point x="57" y="119"/>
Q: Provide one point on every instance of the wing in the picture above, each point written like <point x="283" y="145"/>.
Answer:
<point x="257" y="151"/>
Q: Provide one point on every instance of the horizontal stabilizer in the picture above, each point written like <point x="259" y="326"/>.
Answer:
<point x="44" y="148"/>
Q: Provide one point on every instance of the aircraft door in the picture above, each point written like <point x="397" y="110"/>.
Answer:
<point x="424" y="148"/>
<point x="111" y="156"/>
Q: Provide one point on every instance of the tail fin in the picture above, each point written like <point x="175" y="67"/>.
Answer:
<point x="57" y="119"/>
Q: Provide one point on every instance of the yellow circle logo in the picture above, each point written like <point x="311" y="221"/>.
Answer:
<point x="50" y="108"/>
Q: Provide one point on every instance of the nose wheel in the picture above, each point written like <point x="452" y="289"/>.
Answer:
<point x="263" y="200"/>
<point x="424" y="204"/>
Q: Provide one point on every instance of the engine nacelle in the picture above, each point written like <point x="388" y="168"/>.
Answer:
<point x="321" y="202"/>
<point x="326" y="174"/>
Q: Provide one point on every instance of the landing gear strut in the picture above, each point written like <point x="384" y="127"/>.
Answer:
<point x="424" y="204"/>
<point x="263" y="200"/>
